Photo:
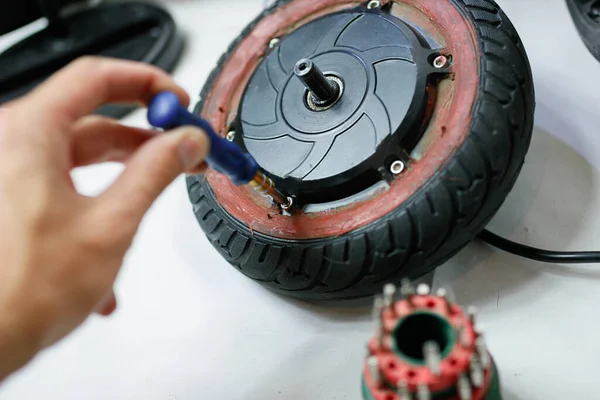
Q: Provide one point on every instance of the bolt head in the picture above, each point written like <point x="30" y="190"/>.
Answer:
<point x="274" y="43"/>
<point x="389" y="289"/>
<point x="594" y="11"/>
<point x="423" y="289"/>
<point x="397" y="167"/>
<point x="440" y="62"/>
<point x="373" y="362"/>
<point x="373" y="4"/>
<point x="288" y="205"/>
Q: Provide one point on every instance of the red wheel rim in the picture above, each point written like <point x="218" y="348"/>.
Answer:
<point x="447" y="129"/>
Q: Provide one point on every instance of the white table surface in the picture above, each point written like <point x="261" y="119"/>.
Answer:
<point x="191" y="327"/>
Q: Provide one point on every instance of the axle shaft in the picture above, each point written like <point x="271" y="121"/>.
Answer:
<point x="324" y="91"/>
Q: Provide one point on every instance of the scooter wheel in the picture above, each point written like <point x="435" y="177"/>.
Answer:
<point x="429" y="134"/>
<point x="586" y="18"/>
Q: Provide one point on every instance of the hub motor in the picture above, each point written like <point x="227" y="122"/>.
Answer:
<point x="339" y="104"/>
<point x="397" y="127"/>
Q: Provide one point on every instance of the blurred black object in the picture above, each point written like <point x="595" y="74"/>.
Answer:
<point x="21" y="13"/>
<point x="586" y="16"/>
<point x="132" y="30"/>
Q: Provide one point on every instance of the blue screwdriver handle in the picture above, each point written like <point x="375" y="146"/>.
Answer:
<point x="166" y="112"/>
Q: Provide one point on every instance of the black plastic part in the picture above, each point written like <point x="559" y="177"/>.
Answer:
<point x="325" y="155"/>
<point x="135" y="31"/>
<point x="445" y="214"/>
<point x="16" y="14"/>
<point x="586" y="16"/>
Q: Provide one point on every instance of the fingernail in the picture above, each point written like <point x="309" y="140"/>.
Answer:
<point x="193" y="148"/>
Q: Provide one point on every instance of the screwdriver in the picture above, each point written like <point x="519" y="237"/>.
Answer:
<point x="166" y="112"/>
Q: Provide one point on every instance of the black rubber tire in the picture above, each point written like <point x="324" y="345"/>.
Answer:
<point x="449" y="211"/>
<point x="587" y="27"/>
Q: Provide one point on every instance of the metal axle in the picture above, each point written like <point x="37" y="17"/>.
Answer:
<point x="325" y="91"/>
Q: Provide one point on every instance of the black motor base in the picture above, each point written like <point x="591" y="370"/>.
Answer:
<point x="337" y="102"/>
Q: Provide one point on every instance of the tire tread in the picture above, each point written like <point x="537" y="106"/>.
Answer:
<point x="458" y="202"/>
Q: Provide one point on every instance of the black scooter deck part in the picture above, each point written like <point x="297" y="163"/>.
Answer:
<point x="22" y="12"/>
<point x="586" y="16"/>
<point x="133" y="31"/>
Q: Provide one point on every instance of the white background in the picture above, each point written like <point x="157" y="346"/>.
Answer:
<point x="190" y="327"/>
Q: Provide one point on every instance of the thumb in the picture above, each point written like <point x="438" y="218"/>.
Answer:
<point x="108" y="305"/>
<point x="152" y="168"/>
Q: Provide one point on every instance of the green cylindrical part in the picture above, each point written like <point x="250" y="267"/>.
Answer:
<point x="494" y="389"/>
<point x="492" y="394"/>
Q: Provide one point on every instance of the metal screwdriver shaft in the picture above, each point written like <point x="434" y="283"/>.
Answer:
<point x="166" y="112"/>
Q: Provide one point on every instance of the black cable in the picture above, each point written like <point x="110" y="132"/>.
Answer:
<point x="548" y="256"/>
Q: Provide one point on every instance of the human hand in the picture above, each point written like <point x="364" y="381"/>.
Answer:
<point x="61" y="251"/>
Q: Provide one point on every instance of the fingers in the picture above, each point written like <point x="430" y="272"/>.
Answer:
<point x="88" y="83"/>
<point x="200" y="169"/>
<point x="98" y="139"/>
<point x="150" y="170"/>
<point x="108" y="305"/>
